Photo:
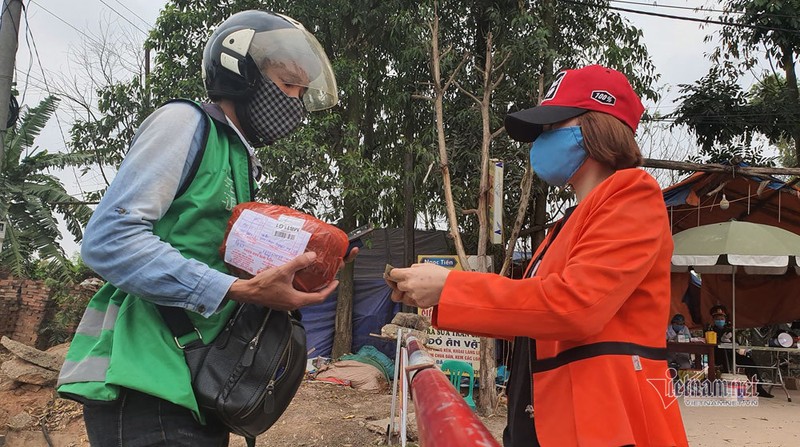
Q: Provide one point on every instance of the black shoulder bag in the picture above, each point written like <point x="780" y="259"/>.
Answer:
<point x="249" y="374"/>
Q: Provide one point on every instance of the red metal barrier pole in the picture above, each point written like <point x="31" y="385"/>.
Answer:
<point x="443" y="417"/>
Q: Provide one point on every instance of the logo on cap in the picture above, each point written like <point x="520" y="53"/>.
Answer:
<point x="603" y="97"/>
<point x="551" y="92"/>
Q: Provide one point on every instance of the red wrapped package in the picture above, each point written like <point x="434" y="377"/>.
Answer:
<point x="261" y="235"/>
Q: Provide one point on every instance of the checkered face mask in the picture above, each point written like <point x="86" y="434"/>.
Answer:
<point x="270" y="114"/>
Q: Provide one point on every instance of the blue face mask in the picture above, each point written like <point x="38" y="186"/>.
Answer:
<point x="677" y="327"/>
<point x="557" y="154"/>
<point x="719" y="323"/>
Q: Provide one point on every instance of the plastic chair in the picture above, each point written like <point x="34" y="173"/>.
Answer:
<point x="502" y="375"/>
<point x="456" y="369"/>
<point x="502" y="378"/>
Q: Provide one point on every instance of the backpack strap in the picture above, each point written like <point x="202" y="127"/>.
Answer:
<point x="179" y="324"/>
<point x="203" y="142"/>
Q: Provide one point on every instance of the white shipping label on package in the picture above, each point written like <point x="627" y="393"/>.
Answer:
<point x="257" y="242"/>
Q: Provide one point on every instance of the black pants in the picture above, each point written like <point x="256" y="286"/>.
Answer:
<point x="742" y="361"/>
<point x="140" y="420"/>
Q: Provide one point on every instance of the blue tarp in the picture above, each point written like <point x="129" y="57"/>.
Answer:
<point x="372" y="309"/>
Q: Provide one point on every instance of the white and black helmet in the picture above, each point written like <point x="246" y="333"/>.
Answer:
<point x="248" y="43"/>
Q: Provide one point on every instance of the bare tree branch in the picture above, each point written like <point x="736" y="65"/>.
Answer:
<point x="498" y="132"/>
<point x="471" y="96"/>
<point x="455" y="72"/>
<point x="446" y="52"/>
<point x="440" y="136"/>
<point x="714" y="167"/>
<point x="525" y="187"/>
<point x="499" y="66"/>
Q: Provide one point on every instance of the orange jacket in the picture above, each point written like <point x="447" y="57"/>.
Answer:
<point x="605" y="278"/>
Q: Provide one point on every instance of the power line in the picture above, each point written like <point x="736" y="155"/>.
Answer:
<point x="28" y="75"/>
<point x="88" y="37"/>
<point x="655" y="5"/>
<point x="29" y="31"/>
<point x="37" y="85"/>
<point x="49" y="92"/>
<point x="125" y="18"/>
<point x="706" y="119"/>
<point x="732" y="115"/>
<point x="30" y="55"/>
<point x="689" y="19"/>
<point x="134" y="14"/>
<point x="65" y="22"/>
<point x="695" y="9"/>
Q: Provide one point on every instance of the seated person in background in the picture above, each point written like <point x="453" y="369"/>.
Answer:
<point x="676" y="331"/>
<point x="722" y="327"/>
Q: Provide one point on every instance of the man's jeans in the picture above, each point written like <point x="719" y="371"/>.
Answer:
<point x="140" y="420"/>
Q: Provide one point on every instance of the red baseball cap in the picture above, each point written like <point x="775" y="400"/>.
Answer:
<point x="575" y="92"/>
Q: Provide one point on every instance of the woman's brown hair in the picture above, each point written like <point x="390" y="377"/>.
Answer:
<point x="609" y="141"/>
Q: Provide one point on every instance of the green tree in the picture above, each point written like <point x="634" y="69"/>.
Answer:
<point x="528" y="43"/>
<point x="379" y="49"/>
<point x="68" y="301"/>
<point x="719" y="112"/>
<point x="342" y="166"/>
<point x="540" y="38"/>
<point x="31" y="197"/>
<point x="347" y="165"/>
<point x="777" y="121"/>
<point x="724" y="119"/>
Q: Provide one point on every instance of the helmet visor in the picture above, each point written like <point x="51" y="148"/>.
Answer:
<point x="295" y="57"/>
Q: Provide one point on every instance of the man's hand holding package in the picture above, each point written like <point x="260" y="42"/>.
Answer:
<point x="273" y="287"/>
<point x="419" y="285"/>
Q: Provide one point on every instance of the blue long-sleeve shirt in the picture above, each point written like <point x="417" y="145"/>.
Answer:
<point x="119" y="243"/>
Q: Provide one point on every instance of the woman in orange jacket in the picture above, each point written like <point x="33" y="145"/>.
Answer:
<point x="589" y="316"/>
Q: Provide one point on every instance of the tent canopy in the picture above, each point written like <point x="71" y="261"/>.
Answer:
<point x="722" y="247"/>
<point x="695" y="201"/>
<point x="761" y="299"/>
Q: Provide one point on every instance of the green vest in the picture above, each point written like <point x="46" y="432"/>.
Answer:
<point x="122" y="340"/>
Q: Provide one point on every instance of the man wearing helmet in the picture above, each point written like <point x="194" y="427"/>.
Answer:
<point x="155" y="235"/>
<point x="258" y="57"/>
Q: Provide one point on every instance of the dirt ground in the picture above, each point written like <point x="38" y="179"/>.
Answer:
<point x="321" y="415"/>
<point x="327" y="415"/>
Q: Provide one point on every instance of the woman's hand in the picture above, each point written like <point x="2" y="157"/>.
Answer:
<point x="419" y="285"/>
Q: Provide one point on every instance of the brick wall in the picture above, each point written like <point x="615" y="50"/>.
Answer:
<point x="27" y="307"/>
<point x="9" y="306"/>
<point x="24" y="304"/>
